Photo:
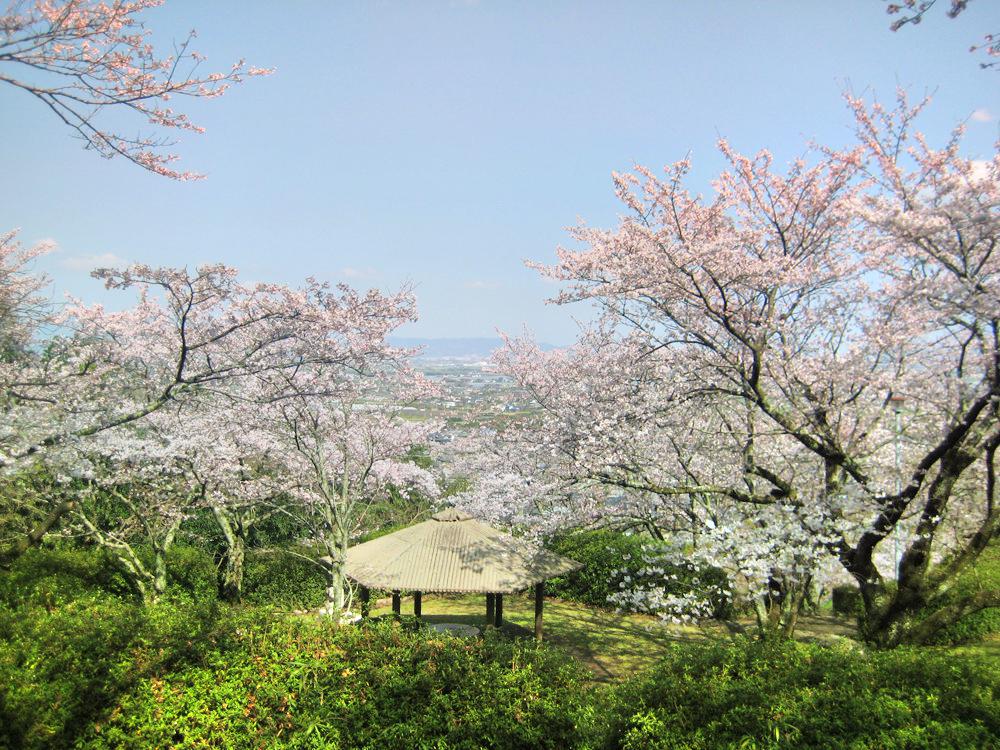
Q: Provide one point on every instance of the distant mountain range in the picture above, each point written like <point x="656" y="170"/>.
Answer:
<point x="454" y="348"/>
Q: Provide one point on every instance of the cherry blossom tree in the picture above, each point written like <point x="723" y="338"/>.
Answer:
<point x="510" y="481"/>
<point x="134" y="494"/>
<point x="757" y="345"/>
<point x="22" y="306"/>
<point x="188" y="334"/>
<point x="242" y="489"/>
<point x="634" y="449"/>
<point x="912" y="12"/>
<point x="343" y="453"/>
<point x="209" y="461"/>
<point x="81" y="58"/>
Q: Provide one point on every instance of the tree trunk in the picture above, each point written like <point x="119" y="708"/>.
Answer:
<point x="160" y="552"/>
<point x="137" y="575"/>
<point x="793" y="606"/>
<point x="231" y="573"/>
<point x="894" y="618"/>
<point x="778" y="610"/>
<point x="234" y="532"/>
<point x="334" y="585"/>
<point x="334" y="565"/>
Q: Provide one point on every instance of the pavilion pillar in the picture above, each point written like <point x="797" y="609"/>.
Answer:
<point x="365" y="594"/>
<point x="539" y="601"/>
<point x="490" y="603"/>
<point x="498" y="610"/>
<point x="416" y="603"/>
<point x="395" y="602"/>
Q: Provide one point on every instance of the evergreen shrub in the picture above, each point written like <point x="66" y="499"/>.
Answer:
<point x="610" y="557"/>
<point x="755" y="694"/>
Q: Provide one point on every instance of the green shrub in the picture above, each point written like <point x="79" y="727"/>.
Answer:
<point x="781" y="694"/>
<point x="847" y="600"/>
<point x="281" y="579"/>
<point x="609" y="557"/>
<point x="974" y="627"/>
<point x="100" y="672"/>
<point x="56" y="575"/>
<point x="52" y="576"/>
<point x="605" y="555"/>
<point x="61" y="667"/>
<point x="191" y="571"/>
<point x="313" y="684"/>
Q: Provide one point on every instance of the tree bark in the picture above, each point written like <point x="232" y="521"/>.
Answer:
<point x="231" y="569"/>
<point x="893" y="618"/>
<point x="160" y="552"/>
<point x="334" y="565"/>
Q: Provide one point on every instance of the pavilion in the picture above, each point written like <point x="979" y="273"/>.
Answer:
<point x="454" y="553"/>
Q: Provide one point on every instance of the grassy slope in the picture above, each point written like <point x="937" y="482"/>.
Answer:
<point x="611" y="645"/>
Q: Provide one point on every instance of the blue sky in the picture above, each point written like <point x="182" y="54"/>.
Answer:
<point x="440" y="144"/>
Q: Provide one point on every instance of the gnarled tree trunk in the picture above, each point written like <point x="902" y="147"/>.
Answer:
<point x="231" y="569"/>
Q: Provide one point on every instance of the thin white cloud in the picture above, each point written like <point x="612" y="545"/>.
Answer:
<point x="87" y="263"/>
<point x="479" y="284"/>
<point x="982" y="115"/>
<point x="981" y="170"/>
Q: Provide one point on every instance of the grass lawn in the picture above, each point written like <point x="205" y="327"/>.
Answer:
<point x="612" y="646"/>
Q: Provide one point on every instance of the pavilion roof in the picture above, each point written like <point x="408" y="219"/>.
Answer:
<point x="453" y="552"/>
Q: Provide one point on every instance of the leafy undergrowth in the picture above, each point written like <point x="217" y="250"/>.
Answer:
<point x="790" y="695"/>
<point x="101" y="673"/>
<point x="83" y="666"/>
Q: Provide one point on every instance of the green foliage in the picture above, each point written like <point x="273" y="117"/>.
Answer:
<point x="82" y="667"/>
<point x="974" y="627"/>
<point x="609" y="557"/>
<point x="605" y="556"/>
<point x="191" y="571"/>
<point x="25" y="499"/>
<point x="456" y="486"/>
<point x="782" y="694"/>
<point x="279" y="683"/>
<point x="847" y="600"/>
<point x="277" y="530"/>
<point x="420" y="455"/>
<point x="382" y="531"/>
<point x="281" y="579"/>
<point x="53" y="576"/>
<point x="61" y="667"/>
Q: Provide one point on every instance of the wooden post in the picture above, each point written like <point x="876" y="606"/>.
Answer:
<point x="539" y="601"/>
<point x="490" y="602"/>
<point x="498" y="612"/>
<point x="395" y="603"/>
<point x="416" y="604"/>
<point x="365" y="597"/>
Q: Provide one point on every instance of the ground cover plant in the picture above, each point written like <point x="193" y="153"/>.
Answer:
<point x="783" y="694"/>
<point x="100" y="673"/>
<point x="81" y="665"/>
